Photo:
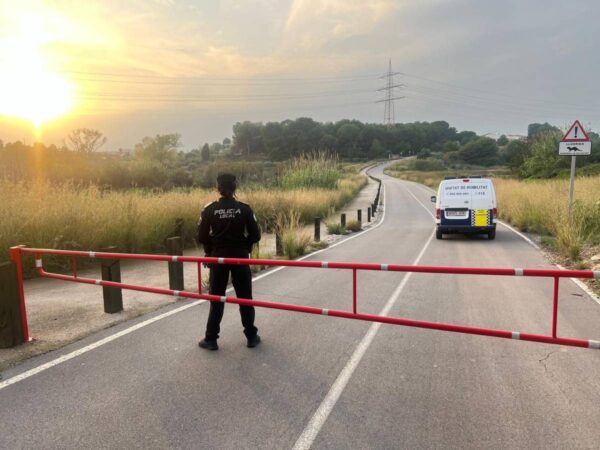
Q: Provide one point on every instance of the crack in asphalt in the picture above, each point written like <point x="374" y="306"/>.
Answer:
<point x="541" y="361"/>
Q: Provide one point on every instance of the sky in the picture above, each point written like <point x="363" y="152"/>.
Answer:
<point x="139" y="68"/>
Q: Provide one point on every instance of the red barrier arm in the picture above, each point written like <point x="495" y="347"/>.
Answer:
<point x="549" y="273"/>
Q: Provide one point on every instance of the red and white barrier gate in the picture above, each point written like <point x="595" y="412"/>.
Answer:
<point x="16" y="253"/>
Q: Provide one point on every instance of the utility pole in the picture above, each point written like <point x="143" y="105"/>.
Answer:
<point x="389" y="110"/>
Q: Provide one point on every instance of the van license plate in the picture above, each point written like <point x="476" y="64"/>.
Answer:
<point x="454" y="213"/>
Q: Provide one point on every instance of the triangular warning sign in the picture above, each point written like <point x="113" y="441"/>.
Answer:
<point x="576" y="133"/>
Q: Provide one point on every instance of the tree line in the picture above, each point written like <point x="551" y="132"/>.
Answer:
<point x="349" y="139"/>
<point x="257" y="150"/>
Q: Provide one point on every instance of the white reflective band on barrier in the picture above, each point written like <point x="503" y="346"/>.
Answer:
<point x="221" y="260"/>
<point x="38" y="263"/>
<point x="519" y="272"/>
<point x="516" y="335"/>
<point x="92" y="254"/>
<point x="325" y="312"/>
<point x="384" y="267"/>
<point x="223" y="299"/>
<point x="176" y="293"/>
<point x="174" y="258"/>
<point x="324" y="265"/>
<point x="594" y="344"/>
<point x="597" y="274"/>
<point x="98" y="282"/>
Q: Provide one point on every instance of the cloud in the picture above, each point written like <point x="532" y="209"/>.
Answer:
<point x="318" y="20"/>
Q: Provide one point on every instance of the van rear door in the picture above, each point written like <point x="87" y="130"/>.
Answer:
<point x="482" y="202"/>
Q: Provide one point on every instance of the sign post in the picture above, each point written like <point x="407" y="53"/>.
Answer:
<point x="575" y="142"/>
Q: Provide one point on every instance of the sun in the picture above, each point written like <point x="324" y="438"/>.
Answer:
<point x="29" y="89"/>
<point x="35" y="95"/>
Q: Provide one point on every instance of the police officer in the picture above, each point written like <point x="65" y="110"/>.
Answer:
<point x="228" y="229"/>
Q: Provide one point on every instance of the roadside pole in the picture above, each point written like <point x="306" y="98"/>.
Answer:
<point x="575" y="142"/>
<point x="572" y="183"/>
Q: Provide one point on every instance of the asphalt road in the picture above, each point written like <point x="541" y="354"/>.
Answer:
<point x="333" y="383"/>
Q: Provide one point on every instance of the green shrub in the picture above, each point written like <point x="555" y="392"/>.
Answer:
<point x="295" y="242"/>
<point x="336" y="228"/>
<point x="314" y="170"/>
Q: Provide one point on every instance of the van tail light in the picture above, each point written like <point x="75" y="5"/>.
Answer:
<point x="495" y="212"/>
<point x="437" y="213"/>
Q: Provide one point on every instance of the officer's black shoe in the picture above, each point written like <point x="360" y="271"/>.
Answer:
<point x="208" y="345"/>
<point x="253" y="341"/>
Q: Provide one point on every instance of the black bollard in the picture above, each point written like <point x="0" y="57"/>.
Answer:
<point x="175" y="248"/>
<point x="343" y="219"/>
<point x="11" y="323"/>
<point x="111" y="271"/>
<point x="278" y="244"/>
<point x="317" y="229"/>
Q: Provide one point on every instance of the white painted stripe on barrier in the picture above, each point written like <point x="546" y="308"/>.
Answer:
<point x="92" y="254"/>
<point x="223" y="299"/>
<point x="325" y="311"/>
<point x="594" y="344"/>
<point x="324" y="264"/>
<point x="174" y="258"/>
<point x="176" y="293"/>
<point x="519" y="272"/>
<point x="38" y="263"/>
<point x="98" y="282"/>
<point x="221" y="260"/>
<point x="516" y="335"/>
<point x="384" y="267"/>
<point x="597" y="274"/>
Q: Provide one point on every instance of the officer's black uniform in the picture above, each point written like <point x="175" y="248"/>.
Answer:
<point x="228" y="228"/>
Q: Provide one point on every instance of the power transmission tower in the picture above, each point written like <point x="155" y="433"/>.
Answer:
<point x="389" y="109"/>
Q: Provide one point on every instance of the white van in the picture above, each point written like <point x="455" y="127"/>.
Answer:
<point x="465" y="205"/>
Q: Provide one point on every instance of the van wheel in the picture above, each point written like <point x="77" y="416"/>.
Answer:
<point x="492" y="235"/>
<point x="438" y="234"/>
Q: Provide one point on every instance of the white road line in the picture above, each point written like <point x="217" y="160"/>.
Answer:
<point x="525" y="238"/>
<point x="24" y="375"/>
<point x="584" y="287"/>
<point x="318" y="419"/>
<point x="87" y="348"/>
<point x="420" y="203"/>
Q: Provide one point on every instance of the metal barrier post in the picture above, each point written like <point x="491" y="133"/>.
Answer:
<point x="317" y="229"/>
<point x="359" y="215"/>
<point x="111" y="271"/>
<point x="175" y="248"/>
<point x="555" y="307"/>
<point x="354" y="291"/>
<point x="199" y="278"/>
<point x="343" y="220"/>
<point x="369" y="214"/>
<point x="16" y="257"/>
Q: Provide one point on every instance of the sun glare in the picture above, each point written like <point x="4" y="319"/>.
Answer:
<point x="35" y="95"/>
<point x="29" y="90"/>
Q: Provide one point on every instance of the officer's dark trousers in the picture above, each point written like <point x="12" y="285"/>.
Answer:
<point x="241" y="278"/>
